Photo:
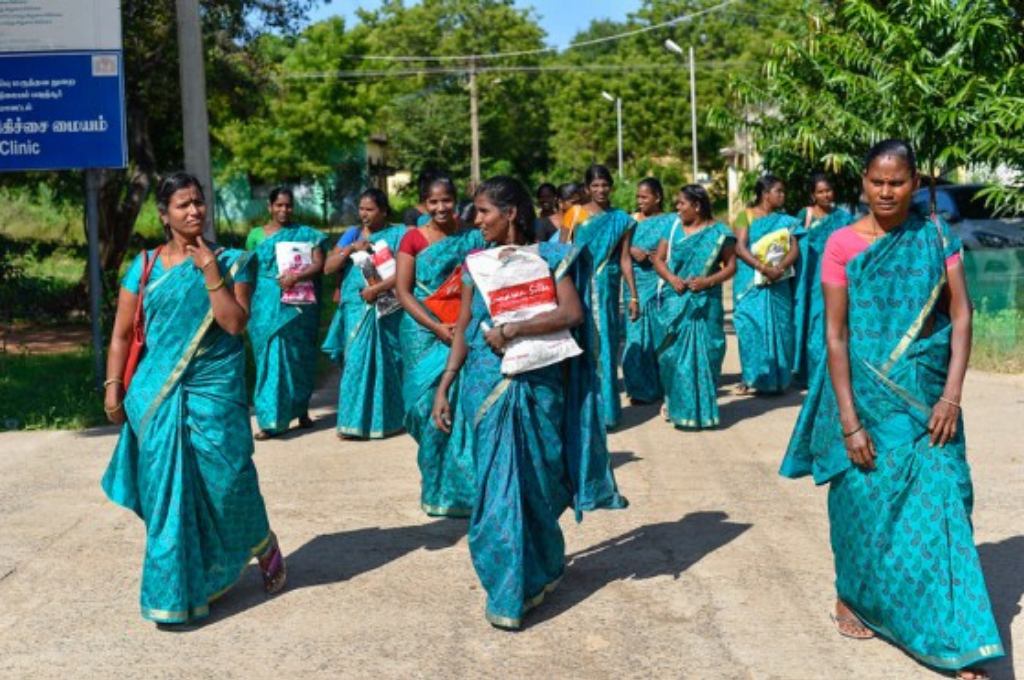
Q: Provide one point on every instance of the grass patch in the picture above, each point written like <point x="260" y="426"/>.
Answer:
<point x="998" y="341"/>
<point x="48" y="391"/>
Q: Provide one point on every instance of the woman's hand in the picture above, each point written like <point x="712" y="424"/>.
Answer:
<point x="772" y="272"/>
<point x="361" y="244"/>
<point x="113" y="403"/>
<point x="861" y="450"/>
<point x="442" y="412"/>
<point x="445" y="332"/>
<point x="497" y="338"/>
<point x="942" y="425"/>
<point x="634" y="309"/>
<point x="369" y="294"/>
<point x="639" y="254"/>
<point x="678" y="284"/>
<point x="698" y="283"/>
<point x="287" y="280"/>
<point x="202" y="256"/>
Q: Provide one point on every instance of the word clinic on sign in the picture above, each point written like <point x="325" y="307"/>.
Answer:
<point x="9" y="148"/>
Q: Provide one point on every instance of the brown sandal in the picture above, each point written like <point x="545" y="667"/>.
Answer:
<point x="272" y="567"/>
<point x="849" y="626"/>
<point x="263" y="436"/>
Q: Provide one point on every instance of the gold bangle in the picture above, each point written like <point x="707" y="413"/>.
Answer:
<point x="218" y="286"/>
<point x="949" y="401"/>
<point x="111" y="381"/>
<point x="112" y="411"/>
<point x="212" y="261"/>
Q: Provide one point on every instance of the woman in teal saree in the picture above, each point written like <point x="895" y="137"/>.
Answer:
<point x="763" y="289"/>
<point x="820" y="219"/>
<point x="363" y="336"/>
<point x="881" y="425"/>
<point x="284" y="336"/>
<point x="183" y="462"/>
<point x="604" y="232"/>
<point x="428" y="257"/>
<point x="693" y="259"/>
<point x="639" y="361"/>
<point x="539" y="438"/>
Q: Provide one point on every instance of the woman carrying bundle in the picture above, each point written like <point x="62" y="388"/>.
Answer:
<point x="639" y="362"/>
<point x="183" y="462"/>
<point x="694" y="258"/>
<point x="605" y="232"/>
<point x="820" y="219"/>
<point x="363" y="336"/>
<point x="881" y="425"/>
<point x="538" y="436"/>
<point x="283" y="330"/>
<point x="428" y="283"/>
<point x="766" y="245"/>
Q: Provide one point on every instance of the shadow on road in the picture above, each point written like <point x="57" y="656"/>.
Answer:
<point x="743" y="408"/>
<point x="637" y="415"/>
<point x="663" y="549"/>
<point x="1002" y="564"/>
<point x="332" y="558"/>
<point x="619" y="458"/>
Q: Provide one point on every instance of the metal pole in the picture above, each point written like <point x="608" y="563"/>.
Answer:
<point x="195" y="118"/>
<point x="693" y="113"/>
<point x="474" y="124"/>
<point x="92" y="228"/>
<point x="618" y="115"/>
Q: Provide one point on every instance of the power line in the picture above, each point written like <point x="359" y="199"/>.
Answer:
<point x="544" y="50"/>
<point x="459" y="70"/>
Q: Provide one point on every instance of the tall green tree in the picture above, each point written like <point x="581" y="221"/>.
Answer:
<point x="947" y="76"/>
<point x="154" y="100"/>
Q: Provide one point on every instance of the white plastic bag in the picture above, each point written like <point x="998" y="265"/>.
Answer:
<point x="517" y="285"/>
<point x="294" y="256"/>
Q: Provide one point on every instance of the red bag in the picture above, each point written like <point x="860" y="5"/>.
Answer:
<point x="446" y="300"/>
<point x="138" y="327"/>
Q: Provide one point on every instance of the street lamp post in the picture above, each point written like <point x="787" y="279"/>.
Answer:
<point x="618" y="117"/>
<point x="671" y="46"/>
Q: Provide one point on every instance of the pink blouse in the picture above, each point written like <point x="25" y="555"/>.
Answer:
<point x="844" y="245"/>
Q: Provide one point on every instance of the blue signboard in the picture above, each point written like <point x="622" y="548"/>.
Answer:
<point x="62" y="110"/>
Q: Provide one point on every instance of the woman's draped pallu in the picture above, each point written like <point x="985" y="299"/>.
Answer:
<point x="808" y="302"/>
<point x="688" y="328"/>
<point x="601" y="235"/>
<point x="284" y="338"/>
<point x="763" y="315"/>
<point x="445" y="461"/>
<point x="639" y="362"/>
<point x="902" y="538"/>
<point x="183" y="462"/>
<point x="540" y="447"/>
<point x="367" y="348"/>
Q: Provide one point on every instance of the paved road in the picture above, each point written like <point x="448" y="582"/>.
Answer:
<point x="719" y="568"/>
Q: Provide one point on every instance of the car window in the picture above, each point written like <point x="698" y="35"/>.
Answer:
<point x="972" y="206"/>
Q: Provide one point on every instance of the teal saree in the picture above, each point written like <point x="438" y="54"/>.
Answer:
<point x="183" y="462"/>
<point x="445" y="461"/>
<point x="540" y="448"/>
<point x="284" y="338"/>
<point x="688" y="328"/>
<point x="639" y="362"/>
<point x="808" y="303"/>
<point x="601" y="235"/>
<point x="367" y="348"/>
<point x="901" y="534"/>
<point x="763" y="316"/>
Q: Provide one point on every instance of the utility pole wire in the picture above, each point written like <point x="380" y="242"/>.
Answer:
<point x="459" y="70"/>
<point x="545" y="50"/>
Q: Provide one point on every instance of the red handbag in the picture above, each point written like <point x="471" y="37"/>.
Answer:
<point x="446" y="300"/>
<point x="139" y="325"/>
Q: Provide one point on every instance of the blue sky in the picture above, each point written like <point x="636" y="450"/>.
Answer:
<point x="562" y="19"/>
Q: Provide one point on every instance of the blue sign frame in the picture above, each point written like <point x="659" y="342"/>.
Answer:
<point x="62" y="111"/>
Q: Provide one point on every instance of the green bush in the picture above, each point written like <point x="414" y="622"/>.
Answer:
<point x="998" y="341"/>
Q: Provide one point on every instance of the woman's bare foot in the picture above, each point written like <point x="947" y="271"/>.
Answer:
<point x="972" y="674"/>
<point x="848" y="624"/>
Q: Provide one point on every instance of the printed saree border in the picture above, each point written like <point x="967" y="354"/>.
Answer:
<point x="446" y="511"/>
<point x="958" y="662"/>
<point x="492" y="398"/>
<point x="530" y="604"/>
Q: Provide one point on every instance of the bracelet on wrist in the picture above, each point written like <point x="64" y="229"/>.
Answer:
<point x="950" y="402"/>
<point x="217" y="286"/>
<point x="112" y="381"/>
<point x="847" y="435"/>
<point x="112" y="411"/>
<point x="501" y="329"/>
